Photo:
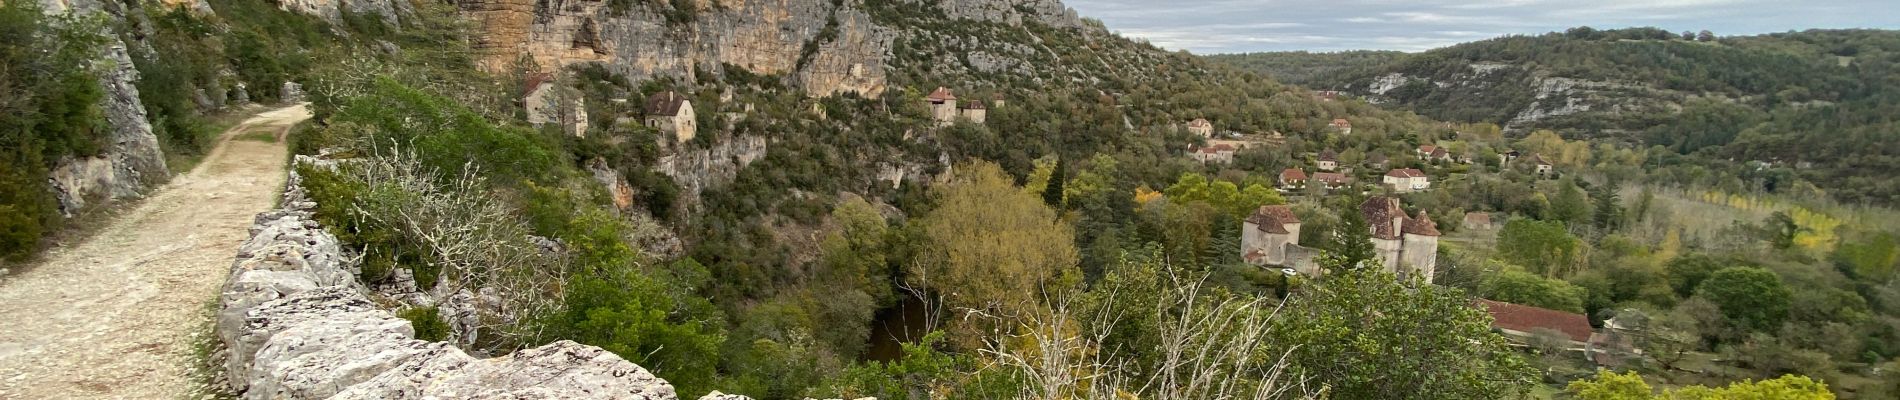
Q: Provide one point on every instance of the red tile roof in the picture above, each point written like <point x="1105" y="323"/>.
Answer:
<point x="1421" y="225"/>
<point x="973" y="105"/>
<point x="535" y="80"/>
<point x="1523" y="318"/>
<point x="1331" y="177"/>
<point x="1342" y="123"/>
<point x="1426" y="148"/>
<point x="1292" y="174"/>
<point x="1329" y="155"/>
<point x="665" y="104"/>
<point x="1538" y="159"/>
<point x="1273" y="219"/>
<point x="940" y="95"/>
<point x="1379" y="211"/>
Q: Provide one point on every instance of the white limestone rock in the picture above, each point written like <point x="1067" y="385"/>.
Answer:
<point x="560" y="370"/>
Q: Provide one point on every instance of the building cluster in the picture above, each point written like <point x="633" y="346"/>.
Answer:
<point x="946" y="109"/>
<point x="1405" y="245"/>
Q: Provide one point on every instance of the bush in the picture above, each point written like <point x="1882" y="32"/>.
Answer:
<point x="427" y="322"/>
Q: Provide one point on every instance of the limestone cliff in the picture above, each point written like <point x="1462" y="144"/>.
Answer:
<point x="825" y="47"/>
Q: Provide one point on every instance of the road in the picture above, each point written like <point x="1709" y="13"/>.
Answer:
<point x="116" y="315"/>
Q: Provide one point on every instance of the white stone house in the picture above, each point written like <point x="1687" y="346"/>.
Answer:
<point x="1200" y="127"/>
<point x="1407" y="180"/>
<point x="671" y="113"/>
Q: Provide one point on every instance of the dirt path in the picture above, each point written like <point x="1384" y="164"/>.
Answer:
<point x="115" y="316"/>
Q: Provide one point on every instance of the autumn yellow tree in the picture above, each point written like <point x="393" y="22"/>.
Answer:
<point x="989" y="246"/>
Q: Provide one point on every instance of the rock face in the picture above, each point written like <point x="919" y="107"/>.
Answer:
<point x="297" y="325"/>
<point x="132" y="161"/>
<point x="695" y="169"/>
<point x="332" y="10"/>
<point x="826" y="47"/>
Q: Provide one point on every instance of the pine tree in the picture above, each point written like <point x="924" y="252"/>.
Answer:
<point x="1052" y="193"/>
<point x="1351" y="241"/>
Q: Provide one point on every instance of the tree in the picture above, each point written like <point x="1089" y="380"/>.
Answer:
<point x="1778" y="229"/>
<point x="1872" y="258"/>
<point x="1571" y="206"/>
<point x="989" y="244"/>
<point x="1513" y="285"/>
<point x="857" y="251"/>
<point x="1351" y="241"/>
<point x="1705" y="36"/>
<point x="1751" y="298"/>
<point x="1686" y="272"/>
<point x="1052" y="193"/>
<point x="1370" y="336"/>
<point x="1609" y="208"/>
<point x="1608" y="385"/>
<point x="1544" y="247"/>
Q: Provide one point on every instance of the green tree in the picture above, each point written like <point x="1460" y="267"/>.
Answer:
<point x="1751" y="298"/>
<point x="1052" y="193"/>
<point x="1369" y="336"/>
<point x="1544" y="247"/>
<point x="1513" y="285"/>
<point x="1570" y="206"/>
<point x="1609" y="207"/>
<point x="1687" y="271"/>
<point x="857" y="251"/>
<point x="1872" y="258"/>
<point x="1351" y="240"/>
<point x="637" y="318"/>
<point x="990" y="246"/>
<point x="1608" y="385"/>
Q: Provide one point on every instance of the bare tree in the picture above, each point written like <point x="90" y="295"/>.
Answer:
<point x="1212" y="346"/>
<point x="482" y="249"/>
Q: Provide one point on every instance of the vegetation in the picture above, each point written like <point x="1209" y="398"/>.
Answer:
<point x="52" y="114"/>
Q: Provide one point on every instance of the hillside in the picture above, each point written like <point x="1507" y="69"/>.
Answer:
<point x="1313" y="70"/>
<point x="1817" y="105"/>
<point x="917" y="199"/>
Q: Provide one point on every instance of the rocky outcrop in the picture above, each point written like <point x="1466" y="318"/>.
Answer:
<point x="296" y="325"/>
<point x="332" y="10"/>
<point x="695" y="169"/>
<point x="132" y="161"/>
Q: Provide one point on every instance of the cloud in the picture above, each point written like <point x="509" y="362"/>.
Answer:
<point x="1218" y="26"/>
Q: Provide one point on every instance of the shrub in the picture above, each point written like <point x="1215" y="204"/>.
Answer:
<point x="427" y="322"/>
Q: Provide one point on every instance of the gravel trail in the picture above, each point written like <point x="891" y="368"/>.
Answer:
<point x="115" y="316"/>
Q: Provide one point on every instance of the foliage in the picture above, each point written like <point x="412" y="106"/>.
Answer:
<point x="1543" y="247"/>
<point x="1751" y="298"/>
<point x="991" y="246"/>
<point x="51" y="114"/>
<point x="1514" y="285"/>
<point x="633" y="316"/>
<point x="427" y="321"/>
<point x="1608" y="385"/>
<point x="1368" y="335"/>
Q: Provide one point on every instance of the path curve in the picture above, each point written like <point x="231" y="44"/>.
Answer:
<point x="116" y="315"/>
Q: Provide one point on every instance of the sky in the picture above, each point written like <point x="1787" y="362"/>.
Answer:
<point x="1230" y="26"/>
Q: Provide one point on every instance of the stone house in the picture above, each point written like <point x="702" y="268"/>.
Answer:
<point x="1479" y="221"/>
<point x="1271" y="238"/>
<point x="1407" y="246"/>
<point x="1332" y="180"/>
<point x="1424" y="152"/>
<point x="1543" y="167"/>
<point x="1326" y="95"/>
<point x="1344" y="126"/>
<point x="539" y="100"/>
<point x="672" y="113"/>
<point x="1220" y="153"/>
<point x="1293" y="178"/>
<point x="974" y="111"/>
<point x="942" y="105"/>
<point x="1328" y="161"/>
<point x="1200" y="126"/>
<point x="1407" y="180"/>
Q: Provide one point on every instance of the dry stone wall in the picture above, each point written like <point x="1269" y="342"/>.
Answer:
<point x="297" y="325"/>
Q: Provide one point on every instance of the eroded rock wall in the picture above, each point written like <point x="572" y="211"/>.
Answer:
<point x="297" y="325"/>
<point x="132" y="161"/>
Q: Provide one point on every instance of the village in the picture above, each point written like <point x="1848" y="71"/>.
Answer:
<point x="1406" y="244"/>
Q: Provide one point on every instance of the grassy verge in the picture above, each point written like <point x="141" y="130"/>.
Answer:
<point x="207" y="360"/>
